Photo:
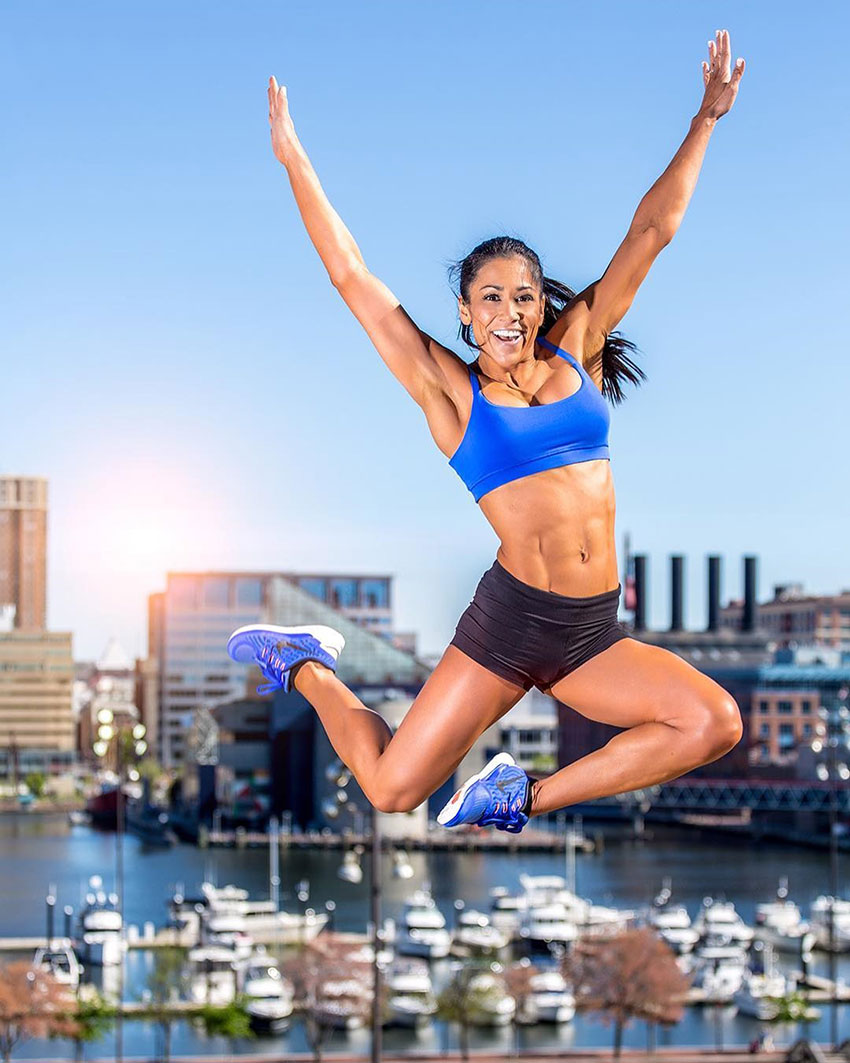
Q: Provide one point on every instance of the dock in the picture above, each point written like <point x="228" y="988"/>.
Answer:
<point x="450" y="841"/>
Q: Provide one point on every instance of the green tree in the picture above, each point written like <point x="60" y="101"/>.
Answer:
<point x="229" y="1020"/>
<point x="166" y="984"/>
<point x="628" y="975"/>
<point x="36" y="782"/>
<point x="94" y="1017"/>
<point x="794" y="1007"/>
<point x="466" y="998"/>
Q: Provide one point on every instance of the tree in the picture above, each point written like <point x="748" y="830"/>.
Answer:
<point x="32" y="1004"/>
<point x="166" y="983"/>
<point x="94" y="1018"/>
<point x="794" y="1007"/>
<point x="327" y="982"/>
<point x="36" y="782"/>
<point x="627" y="975"/>
<point x="230" y="1020"/>
<point x="465" y="998"/>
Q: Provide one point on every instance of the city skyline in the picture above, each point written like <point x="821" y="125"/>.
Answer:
<point x="166" y="312"/>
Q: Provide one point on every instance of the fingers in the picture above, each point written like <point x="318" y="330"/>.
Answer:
<point x="725" y="55"/>
<point x="720" y="57"/>
<point x="276" y="94"/>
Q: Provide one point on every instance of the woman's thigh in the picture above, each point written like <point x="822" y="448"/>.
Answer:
<point x="632" y="683"/>
<point x="458" y="702"/>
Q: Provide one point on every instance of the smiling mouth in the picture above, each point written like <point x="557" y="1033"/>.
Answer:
<point x="509" y="337"/>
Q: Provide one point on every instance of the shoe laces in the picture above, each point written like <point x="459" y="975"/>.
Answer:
<point x="272" y="667"/>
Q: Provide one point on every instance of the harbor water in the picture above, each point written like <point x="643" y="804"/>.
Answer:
<point x="44" y="849"/>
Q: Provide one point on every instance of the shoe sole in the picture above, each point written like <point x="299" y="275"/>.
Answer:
<point x="329" y="638"/>
<point x="450" y="808"/>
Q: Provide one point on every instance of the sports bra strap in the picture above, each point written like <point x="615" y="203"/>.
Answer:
<point x="559" y="350"/>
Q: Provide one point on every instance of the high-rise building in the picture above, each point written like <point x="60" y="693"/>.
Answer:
<point x="36" y="719"/>
<point x="23" y="550"/>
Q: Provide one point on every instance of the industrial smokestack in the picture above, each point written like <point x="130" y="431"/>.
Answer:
<point x="749" y="622"/>
<point x="640" y="592"/>
<point x="714" y="562"/>
<point x="677" y="591"/>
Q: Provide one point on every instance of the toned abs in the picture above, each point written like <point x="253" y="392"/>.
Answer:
<point x="556" y="528"/>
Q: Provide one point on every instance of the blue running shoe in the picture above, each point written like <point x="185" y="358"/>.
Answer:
<point x="276" y="650"/>
<point x="496" y="795"/>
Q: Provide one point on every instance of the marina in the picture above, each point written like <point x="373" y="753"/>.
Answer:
<point x="453" y="905"/>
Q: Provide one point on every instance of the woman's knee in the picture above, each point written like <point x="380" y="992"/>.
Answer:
<point x="388" y="795"/>
<point x="717" y="724"/>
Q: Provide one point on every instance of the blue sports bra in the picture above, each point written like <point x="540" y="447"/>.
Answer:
<point x="504" y="443"/>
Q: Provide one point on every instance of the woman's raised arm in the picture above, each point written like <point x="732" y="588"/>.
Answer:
<point x="597" y="310"/>
<point x="427" y="370"/>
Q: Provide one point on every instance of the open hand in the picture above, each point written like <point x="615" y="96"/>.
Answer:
<point x="283" y="131"/>
<point x="721" y="83"/>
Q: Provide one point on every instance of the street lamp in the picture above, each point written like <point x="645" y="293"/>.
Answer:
<point x="834" y="735"/>
<point x="106" y="733"/>
<point x="338" y="774"/>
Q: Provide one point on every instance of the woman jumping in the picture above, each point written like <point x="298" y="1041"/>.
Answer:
<point x="525" y="426"/>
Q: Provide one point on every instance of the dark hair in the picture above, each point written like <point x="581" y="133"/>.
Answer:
<point x="617" y="366"/>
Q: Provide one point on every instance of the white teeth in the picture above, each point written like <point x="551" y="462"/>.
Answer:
<point x="505" y="334"/>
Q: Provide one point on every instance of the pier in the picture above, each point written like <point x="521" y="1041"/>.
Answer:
<point x="448" y="841"/>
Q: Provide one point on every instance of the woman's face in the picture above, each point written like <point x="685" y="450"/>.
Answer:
<point x="505" y="309"/>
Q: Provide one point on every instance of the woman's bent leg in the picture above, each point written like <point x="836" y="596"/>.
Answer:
<point x="677" y="719"/>
<point x="397" y="772"/>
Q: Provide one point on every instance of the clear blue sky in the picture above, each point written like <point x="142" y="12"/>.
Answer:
<point x="176" y="362"/>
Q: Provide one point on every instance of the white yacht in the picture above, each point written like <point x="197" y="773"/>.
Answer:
<point x="780" y="924"/>
<point x="757" y="993"/>
<point x="475" y="933"/>
<point x="820" y="919"/>
<point x="269" y="995"/>
<point x="213" y="976"/>
<point x="719" y="920"/>
<point x="718" y="970"/>
<point x="551" y="1000"/>
<point x="410" y="994"/>
<point x="60" y="961"/>
<point x="345" y="1004"/>
<point x="101" y="925"/>
<point x="259" y="919"/>
<point x="547" y="923"/>
<point x="424" y="930"/>
<point x="673" y="924"/>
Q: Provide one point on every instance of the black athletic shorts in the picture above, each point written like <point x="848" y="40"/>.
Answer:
<point x="533" y="637"/>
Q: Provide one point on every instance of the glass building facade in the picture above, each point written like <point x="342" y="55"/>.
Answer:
<point x="189" y="624"/>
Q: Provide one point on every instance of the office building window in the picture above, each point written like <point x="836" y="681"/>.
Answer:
<point x="316" y="587"/>
<point x="343" y="592"/>
<point x="806" y="707"/>
<point x="183" y="592"/>
<point x="764" y="706"/>
<point x="786" y="708"/>
<point x="786" y="736"/>
<point x="215" y="591"/>
<point x="249" y="592"/>
<point x="375" y="593"/>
